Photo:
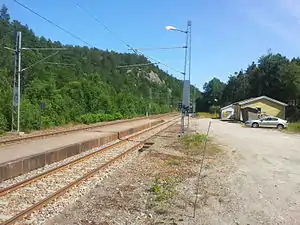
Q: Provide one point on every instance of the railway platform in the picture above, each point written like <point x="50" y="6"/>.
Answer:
<point x="28" y="155"/>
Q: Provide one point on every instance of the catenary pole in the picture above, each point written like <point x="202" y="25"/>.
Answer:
<point x="189" y="33"/>
<point x="16" y="104"/>
<point x="19" y="35"/>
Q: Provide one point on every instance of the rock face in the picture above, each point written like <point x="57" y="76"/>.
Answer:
<point x="153" y="77"/>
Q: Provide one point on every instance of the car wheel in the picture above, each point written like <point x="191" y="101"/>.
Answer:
<point x="255" y="125"/>
<point x="280" y="126"/>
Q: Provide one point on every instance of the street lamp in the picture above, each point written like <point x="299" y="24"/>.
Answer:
<point x="176" y="29"/>
<point x="186" y="83"/>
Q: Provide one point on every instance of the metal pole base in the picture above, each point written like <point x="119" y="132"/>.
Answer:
<point x="182" y="125"/>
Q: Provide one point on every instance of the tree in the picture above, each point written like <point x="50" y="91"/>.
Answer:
<point x="92" y="84"/>
<point x="273" y="75"/>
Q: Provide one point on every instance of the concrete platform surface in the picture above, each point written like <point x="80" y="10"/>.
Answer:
<point x="32" y="147"/>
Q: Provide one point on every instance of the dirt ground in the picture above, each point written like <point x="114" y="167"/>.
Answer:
<point x="249" y="177"/>
<point x="265" y="185"/>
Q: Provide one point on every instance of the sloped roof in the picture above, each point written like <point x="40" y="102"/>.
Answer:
<point x="260" y="98"/>
<point x="225" y="107"/>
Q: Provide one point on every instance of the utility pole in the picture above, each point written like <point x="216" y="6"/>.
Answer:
<point x="150" y="93"/>
<point x="16" y="104"/>
<point x="194" y="101"/>
<point x="16" y="84"/>
<point x="19" y="37"/>
<point x="190" y="63"/>
<point x="186" y="83"/>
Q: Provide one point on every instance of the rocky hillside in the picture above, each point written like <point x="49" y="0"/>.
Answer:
<point x="87" y="81"/>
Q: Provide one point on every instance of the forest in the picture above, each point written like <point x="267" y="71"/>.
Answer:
<point x="273" y="75"/>
<point x="80" y="84"/>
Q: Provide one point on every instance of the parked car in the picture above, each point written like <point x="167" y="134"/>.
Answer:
<point x="269" y="121"/>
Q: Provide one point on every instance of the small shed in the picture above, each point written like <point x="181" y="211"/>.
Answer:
<point x="227" y="112"/>
<point x="249" y="113"/>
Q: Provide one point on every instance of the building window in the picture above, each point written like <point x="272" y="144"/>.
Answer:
<point x="259" y="110"/>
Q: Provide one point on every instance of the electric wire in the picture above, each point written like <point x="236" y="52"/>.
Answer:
<point x="135" y="50"/>
<point x="54" y="24"/>
<point x="49" y="56"/>
<point x="134" y="65"/>
<point x="106" y="27"/>
<point x="159" y="48"/>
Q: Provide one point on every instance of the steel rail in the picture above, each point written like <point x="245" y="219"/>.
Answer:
<point x="63" y="190"/>
<point x="14" y="187"/>
<point x="35" y="136"/>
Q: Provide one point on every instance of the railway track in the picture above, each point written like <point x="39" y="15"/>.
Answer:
<point x="23" y="198"/>
<point x="11" y="140"/>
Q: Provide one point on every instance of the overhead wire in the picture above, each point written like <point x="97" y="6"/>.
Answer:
<point x="135" y="65"/>
<point x="42" y="60"/>
<point x="135" y="50"/>
<point x="160" y="48"/>
<point x="54" y="24"/>
<point x="101" y="23"/>
<point x="106" y="27"/>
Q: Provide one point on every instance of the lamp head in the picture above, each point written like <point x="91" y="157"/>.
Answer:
<point x="170" y="28"/>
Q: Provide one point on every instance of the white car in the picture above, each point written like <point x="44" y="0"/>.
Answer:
<point x="273" y="122"/>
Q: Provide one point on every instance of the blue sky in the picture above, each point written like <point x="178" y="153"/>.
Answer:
<point x="227" y="35"/>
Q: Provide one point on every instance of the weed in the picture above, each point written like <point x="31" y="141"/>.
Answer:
<point x="194" y="145"/>
<point x="173" y="162"/>
<point x="164" y="188"/>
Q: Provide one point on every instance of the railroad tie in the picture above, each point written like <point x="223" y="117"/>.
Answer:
<point x="146" y="146"/>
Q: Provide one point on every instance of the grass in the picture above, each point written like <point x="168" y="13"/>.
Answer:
<point x="206" y="115"/>
<point x="193" y="145"/>
<point x="163" y="188"/>
<point x="294" y="127"/>
<point x="173" y="162"/>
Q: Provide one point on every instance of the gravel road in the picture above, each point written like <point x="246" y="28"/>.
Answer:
<point x="265" y="184"/>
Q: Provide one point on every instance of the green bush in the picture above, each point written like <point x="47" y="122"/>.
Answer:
<point x="99" y="117"/>
<point x="3" y="123"/>
<point x="30" y="116"/>
<point x="46" y="122"/>
<point x="118" y="116"/>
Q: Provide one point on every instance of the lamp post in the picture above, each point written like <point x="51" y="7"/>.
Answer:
<point x="186" y="83"/>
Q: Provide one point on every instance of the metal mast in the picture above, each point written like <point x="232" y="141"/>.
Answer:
<point x="16" y="104"/>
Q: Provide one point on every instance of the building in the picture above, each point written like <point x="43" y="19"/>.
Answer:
<point x="227" y="112"/>
<point x="254" y="108"/>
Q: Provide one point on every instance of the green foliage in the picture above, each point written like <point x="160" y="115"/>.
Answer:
<point x="164" y="188"/>
<point x="30" y="116"/>
<point x="212" y="95"/>
<point x="46" y="122"/>
<point x="193" y="144"/>
<point x="205" y="115"/>
<point x="173" y="161"/>
<point x="214" y="109"/>
<point x="93" y="89"/>
<point x="99" y="117"/>
<point x="193" y="140"/>
<point x="3" y="123"/>
<point x="294" y="127"/>
<point x="273" y="75"/>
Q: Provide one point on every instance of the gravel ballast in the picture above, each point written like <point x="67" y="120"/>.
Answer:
<point x="241" y="184"/>
<point x="33" y="193"/>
